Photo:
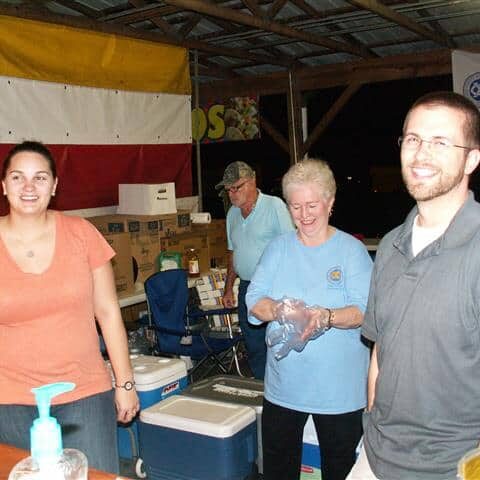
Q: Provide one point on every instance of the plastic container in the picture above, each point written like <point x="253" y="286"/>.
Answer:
<point x="209" y="440"/>
<point x="469" y="465"/>
<point x="236" y="390"/>
<point x="156" y="378"/>
<point x="311" y="465"/>
<point x="48" y="460"/>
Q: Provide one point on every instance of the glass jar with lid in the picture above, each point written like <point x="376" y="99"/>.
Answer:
<point x="193" y="262"/>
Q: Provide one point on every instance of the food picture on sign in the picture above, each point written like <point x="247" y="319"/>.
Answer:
<point x="241" y="119"/>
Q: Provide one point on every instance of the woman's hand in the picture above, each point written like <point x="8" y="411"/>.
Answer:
<point x="318" y="321"/>
<point x="127" y="404"/>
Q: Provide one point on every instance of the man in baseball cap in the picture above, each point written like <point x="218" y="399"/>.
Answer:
<point x="252" y="221"/>
<point x="234" y="172"/>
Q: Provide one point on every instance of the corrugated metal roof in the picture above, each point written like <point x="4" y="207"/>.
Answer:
<point x="257" y="37"/>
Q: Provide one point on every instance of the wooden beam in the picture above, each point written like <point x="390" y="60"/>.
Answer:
<point x="325" y="121"/>
<point x="79" y="7"/>
<point x="400" y="19"/>
<point x="138" y="14"/>
<point x="189" y="25"/>
<point x="275" y="7"/>
<point x="205" y="8"/>
<point x="277" y="137"/>
<point x="305" y="7"/>
<point x="395" y="67"/>
<point x="294" y="104"/>
<point x="252" y="5"/>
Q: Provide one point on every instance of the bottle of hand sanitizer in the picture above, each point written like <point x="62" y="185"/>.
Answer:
<point x="48" y="460"/>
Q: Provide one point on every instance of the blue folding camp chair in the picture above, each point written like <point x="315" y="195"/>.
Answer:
<point x="183" y="329"/>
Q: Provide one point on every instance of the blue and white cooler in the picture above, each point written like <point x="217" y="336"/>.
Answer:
<point x="237" y="390"/>
<point x="156" y="378"/>
<point x="197" y="439"/>
<point x="310" y="453"/>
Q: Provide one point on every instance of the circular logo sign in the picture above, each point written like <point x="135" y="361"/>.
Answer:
<point x="471" y="88"/>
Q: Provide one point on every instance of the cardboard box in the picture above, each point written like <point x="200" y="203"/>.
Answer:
<point x="122" y="262"/>
<point x="109" y="223"/>
<point x="174" y="224"/>
<point x="146" y="199"/>
<point x="143" y="238"/>
<point x="144" y="233"/>
<point x="180" y="243"/>
<point x="217" y="241"/>
<point x="165" y="225"/>
<point x="145" y="250"/>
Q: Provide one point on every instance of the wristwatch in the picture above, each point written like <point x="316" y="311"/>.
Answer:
<point x="128" y="385"/>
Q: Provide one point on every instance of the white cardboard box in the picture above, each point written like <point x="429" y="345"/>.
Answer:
<point x="146" y="199"/>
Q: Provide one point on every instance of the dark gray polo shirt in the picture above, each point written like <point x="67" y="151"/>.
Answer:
<point x="424" y="315"/>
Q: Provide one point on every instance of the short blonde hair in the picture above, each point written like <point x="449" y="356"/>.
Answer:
<point x="310" y="170"/>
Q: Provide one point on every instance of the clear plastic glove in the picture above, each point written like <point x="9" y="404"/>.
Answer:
<point x="298" y="325"/>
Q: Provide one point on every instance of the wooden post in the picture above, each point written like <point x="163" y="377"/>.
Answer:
<point x="295" y="135"/>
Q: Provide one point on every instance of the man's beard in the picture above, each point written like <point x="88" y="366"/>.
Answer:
<point x="423" y="192"/>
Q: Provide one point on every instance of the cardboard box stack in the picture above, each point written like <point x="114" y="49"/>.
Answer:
<point x="216" y="240"/>
<point x="144" y="233"/>
<point x="148" y="222"/>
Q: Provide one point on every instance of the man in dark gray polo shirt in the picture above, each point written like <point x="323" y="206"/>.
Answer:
<point x="424" y="306"/>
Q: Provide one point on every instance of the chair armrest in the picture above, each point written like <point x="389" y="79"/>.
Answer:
<point x="216" y="310"/>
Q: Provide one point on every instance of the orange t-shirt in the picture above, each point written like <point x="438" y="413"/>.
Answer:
<point x="47" y="324"/>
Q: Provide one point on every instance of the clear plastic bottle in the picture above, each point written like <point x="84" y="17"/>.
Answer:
<point x="48" y="460"/>
<point x="193" y="262"/>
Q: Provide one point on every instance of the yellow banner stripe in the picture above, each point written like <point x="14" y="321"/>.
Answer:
<point x="56" y="53"/>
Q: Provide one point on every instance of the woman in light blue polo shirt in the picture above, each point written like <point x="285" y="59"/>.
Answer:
<point x="329" y="269"/>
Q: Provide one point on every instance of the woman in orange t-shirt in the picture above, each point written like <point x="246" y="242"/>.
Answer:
<point x="56" y="281"/>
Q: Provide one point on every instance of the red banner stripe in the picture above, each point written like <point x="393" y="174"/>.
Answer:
<point x="89" y="175"/>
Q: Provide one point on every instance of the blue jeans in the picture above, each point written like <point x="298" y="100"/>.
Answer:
<point x="253" y="335"/>
<point x="89" y="425"/>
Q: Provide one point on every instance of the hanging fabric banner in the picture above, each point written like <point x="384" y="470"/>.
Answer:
<point x="112" y="109"/>
<point x="230" y="120"/>
<point x="466" y="74"/>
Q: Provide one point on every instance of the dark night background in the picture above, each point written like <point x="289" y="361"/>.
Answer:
<point x="360" y="145"/>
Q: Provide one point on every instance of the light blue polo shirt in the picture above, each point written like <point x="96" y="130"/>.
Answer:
<point x="248" y="237"/>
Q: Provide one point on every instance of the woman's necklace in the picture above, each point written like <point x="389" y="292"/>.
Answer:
<point x="30" y="253"/>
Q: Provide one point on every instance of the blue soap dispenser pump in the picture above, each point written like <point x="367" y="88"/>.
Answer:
<point x="48" y="460"/>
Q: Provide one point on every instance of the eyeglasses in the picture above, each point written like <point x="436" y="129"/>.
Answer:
<point x="437" y="144"/>
<point x="236" y="188"/>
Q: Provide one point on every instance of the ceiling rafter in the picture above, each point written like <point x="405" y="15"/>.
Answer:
<point x="259" y="41"/>
<point x="79" y="7"/>
<point x="437" y="27"/>
<point x="402" y="20"/>
<point x="252" y="5"/>
<point x="274" y="8"/>
<point x="200" y="6"/>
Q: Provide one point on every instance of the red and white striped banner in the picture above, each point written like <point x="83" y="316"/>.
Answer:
<point x="112" y="109"/>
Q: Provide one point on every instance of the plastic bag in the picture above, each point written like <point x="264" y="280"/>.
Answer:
<point x="295" y="318"/>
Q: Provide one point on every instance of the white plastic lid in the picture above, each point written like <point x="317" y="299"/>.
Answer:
<point x="197" y="415"/>
<point x="151" y="372"/>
